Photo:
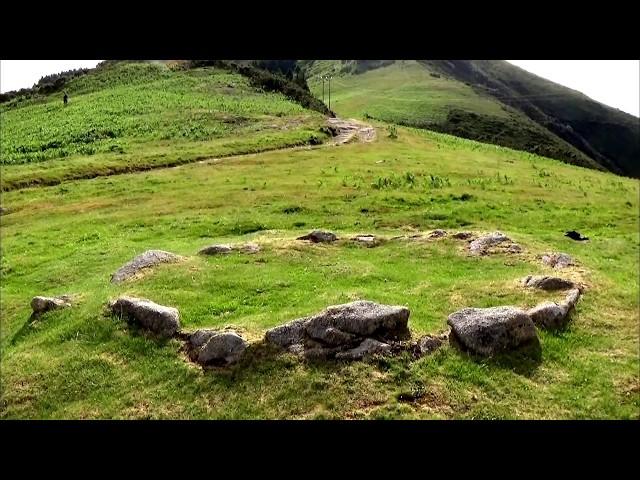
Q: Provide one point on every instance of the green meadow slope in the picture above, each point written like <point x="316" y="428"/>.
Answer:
<point x="138" y="116"/>
<point x="83" y="363"/>
<point x="489" y="101"/>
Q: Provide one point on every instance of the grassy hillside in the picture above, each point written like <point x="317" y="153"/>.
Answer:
<point x="606" y="134"/>
<point x="489" y="101"/>
<point x="137" y="116"/>
<point x="82" y="363"/>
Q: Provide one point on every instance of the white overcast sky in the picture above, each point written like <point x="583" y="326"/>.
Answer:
<point x="613" y="82"/>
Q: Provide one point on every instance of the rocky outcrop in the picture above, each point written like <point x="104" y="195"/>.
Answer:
<point x="161" y="320"/>
<point x="437" y="234"/>
<point x="219" y="249"/>
<point x="489" y="331"/>
<point x="547" y="283"/>
<point x="557" y="260"/>
<point x="462" y="235"/>
<point x="319" y="236"/>
<point x="343" y="329"/>
<point x="214" y="347"/>
<point x="225" y="249"/>
<point x="148" y="259"/>
<point x="493" y="243"/>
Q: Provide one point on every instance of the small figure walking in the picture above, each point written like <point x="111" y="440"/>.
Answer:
<point x="65" y="99"/>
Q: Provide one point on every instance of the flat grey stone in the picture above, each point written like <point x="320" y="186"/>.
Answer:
<point x="148" y="259"/>
<point x="161" y="320"/>
<point x="488" y="331"/>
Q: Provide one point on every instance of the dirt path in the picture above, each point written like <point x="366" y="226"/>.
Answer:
<point x="350" y="129"/>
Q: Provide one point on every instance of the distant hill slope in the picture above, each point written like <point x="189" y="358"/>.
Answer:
<point x="490" y="101"/>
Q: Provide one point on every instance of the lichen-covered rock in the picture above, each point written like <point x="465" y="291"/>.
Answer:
<point x="147" y="259"/>
<point x="40" y="304"/>
<point x="367" y="348"/>
<point x="161" y="320"/>
<point x="492" y="242"/>
<point x="319" y="236"/>
<point x="547" y="283"/>
<point x="212" y="347"/>
<point x="489" y="331"/>
<point x="220" y="249"/>
<point x="361" y="318"/>
<point x="557" y="260"/>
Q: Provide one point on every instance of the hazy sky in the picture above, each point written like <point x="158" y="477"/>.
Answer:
<point x="613" y="82"/>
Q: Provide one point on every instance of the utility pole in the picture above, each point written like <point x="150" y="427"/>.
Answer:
<point x="329" y="77"/>
<point x="322" y="77"/>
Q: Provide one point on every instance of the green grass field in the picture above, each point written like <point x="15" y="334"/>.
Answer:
<point x="138" y="116"/>
<point x="82" y="363"/>
<point x="404" y="92"/>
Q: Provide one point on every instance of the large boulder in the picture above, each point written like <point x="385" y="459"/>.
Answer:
<point x="319" y="236"/>
<point x="40" y="304"/>
<point x="547" y="283"/>
<point x="361" y="318"/>
<point x="487" y="244"/>
<point x="213" y="347"/>
<point x="557" y="260"/>
<point x="161" y="320"/>
<point x="489" y="331"/>
<point x="342" y="329"/>
<point x="148" y="259"/>
<point x="553" y="316"/>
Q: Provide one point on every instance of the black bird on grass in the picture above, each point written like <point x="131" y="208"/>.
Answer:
<point x="575" y="236"/>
